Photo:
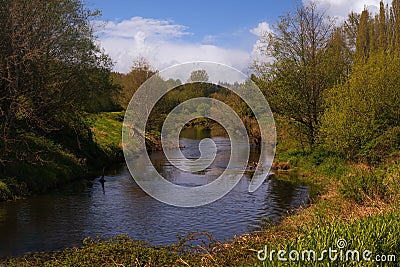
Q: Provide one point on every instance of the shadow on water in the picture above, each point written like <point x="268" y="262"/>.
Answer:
<point x="102" y="180"/>
<point x="65" y="217"/>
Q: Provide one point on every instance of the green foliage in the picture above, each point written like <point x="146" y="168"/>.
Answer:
<point x="364" y="107"/>
<point x="375" y="233"/>
<point x="363" y="185"/>
<point x="107" y="133"/>
<point x="4" y="191"/>
<point x="11" y="189"/>
<point x="319" y="155"/>
<point x="51" y="74"/>
<point x="360" y="60"/>
<point x="53" y="166"/>
<point x="104" y="93"/>
<point x="382" y="148"/>
<point x="333" y="167"/>
<point x="310" y="56"/>
<point x="321" y="162"/>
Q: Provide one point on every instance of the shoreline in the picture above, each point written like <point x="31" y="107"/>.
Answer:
<point x="346" y="217"/>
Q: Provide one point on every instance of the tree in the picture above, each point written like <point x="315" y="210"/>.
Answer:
<point x="395" y="22"/>
<point x="49" y="65"/>
<point x="364" y="107"/>
<point x="141" y="70"/>
<point x="198" y="76"/>
<point x="197" y="85"/>
<point x="350" y="28"/>
<point x="363" y="36"/>
<point x="363" y="111"/>
<point x="300" y="72"/>
<point x="383" y="42"/>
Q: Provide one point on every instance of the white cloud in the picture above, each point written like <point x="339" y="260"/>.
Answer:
<point x="262" y="29"/>
<point x="341" y="8"/>
<point x="147" y="27"/>
<point x="160" y="41"/>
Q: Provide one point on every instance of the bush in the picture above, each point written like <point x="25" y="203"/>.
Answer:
<point x="4" y="191"/>
<point x="118" y="251"/>
<point x="363" y="108"/>
<point x="54" y="166"/>
<point x="333" y="167"/>
<point x="11" y="189"/>
<point x="320" y="154"/>
<point x="384" y="147"/>
<point x="364" y="185"/>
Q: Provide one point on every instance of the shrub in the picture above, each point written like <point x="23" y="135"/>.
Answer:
<point x="363" y="107"/>
<point x="364" y="185"/>
<point x="383" y="147"/>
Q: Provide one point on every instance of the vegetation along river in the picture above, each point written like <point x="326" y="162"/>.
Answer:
<point x="65" y="217"/>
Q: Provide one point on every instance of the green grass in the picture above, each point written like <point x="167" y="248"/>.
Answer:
<point x="5" y="192"/>
<point x="378" y="233"/>
<point x="118" y="251"/>
<point x="364" y="184"/>
<point x="375" y="233"/>
<point x="54" y="165"/>
<point x="107" y="133"/>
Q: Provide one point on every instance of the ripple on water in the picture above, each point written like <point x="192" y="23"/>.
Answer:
<point x="64" y="218"/>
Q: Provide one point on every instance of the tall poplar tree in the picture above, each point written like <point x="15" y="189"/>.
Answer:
<point x="363" y="36"/>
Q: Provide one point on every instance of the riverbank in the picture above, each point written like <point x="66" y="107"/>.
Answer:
<point x="58" y="165"/>
<point x="366" y="215"/>
<point x="63" y="164"/>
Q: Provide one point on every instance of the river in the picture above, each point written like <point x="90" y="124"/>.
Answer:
<point x="63" y="218"/>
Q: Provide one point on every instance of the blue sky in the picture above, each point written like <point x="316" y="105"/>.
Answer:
<point x="170" y="32"/>
<point x="219" y="19"/>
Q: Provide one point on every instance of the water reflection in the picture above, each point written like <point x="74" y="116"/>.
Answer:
<point x="65" y="217"/>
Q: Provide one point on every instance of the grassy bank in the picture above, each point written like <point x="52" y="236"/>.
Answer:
<point x="64" y="158"/>
<point x="55" y="165"/>
<point x="62" y="163"/>
<point x="107" y="133"/>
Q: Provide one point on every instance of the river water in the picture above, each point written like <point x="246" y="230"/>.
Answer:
<point x="65" y="217"/>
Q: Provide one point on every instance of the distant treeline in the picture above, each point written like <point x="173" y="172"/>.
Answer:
<point x="197" y="85"/>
